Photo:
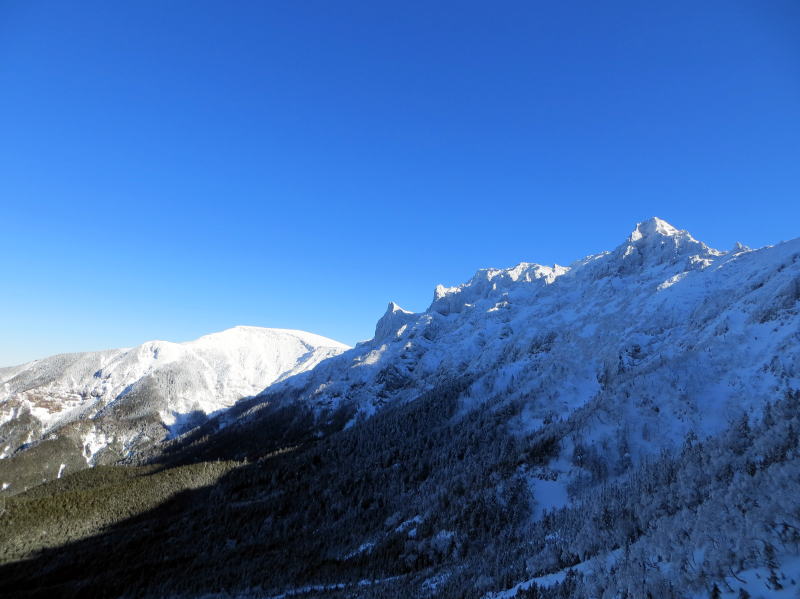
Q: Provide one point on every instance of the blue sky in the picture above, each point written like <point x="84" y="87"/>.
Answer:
<point x="169" y="169"/>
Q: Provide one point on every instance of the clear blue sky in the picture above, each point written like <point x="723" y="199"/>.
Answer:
<point x="169" y="169"/>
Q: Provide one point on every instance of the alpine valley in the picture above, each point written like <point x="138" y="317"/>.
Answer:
<point x="623" y="427"/>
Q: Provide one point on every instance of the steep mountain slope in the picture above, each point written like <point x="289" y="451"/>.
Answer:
<point x="660" y="336"/>
<point x="100" y="406"/>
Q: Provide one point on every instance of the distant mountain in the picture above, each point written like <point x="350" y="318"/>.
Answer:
<point x="101" y="406"/>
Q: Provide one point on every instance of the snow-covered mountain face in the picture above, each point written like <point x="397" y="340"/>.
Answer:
<point x="661" y="336"/>
<point x="492" y="446"/>
<point x="122" y="398"/>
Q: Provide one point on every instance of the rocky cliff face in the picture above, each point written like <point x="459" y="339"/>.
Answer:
<point x="660" y="336"/>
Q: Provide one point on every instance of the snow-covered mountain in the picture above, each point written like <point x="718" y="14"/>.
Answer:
<point x="121" y="399"/>
<point x="626" y="426"/>
<point x="660" y="336"/>
<point x="624" y="415"/>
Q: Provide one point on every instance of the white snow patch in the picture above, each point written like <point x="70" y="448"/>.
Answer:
<point x="672" y="280"/>
<point x="755" y="582"/>
<point x="408" y="524"/>
<point x="364" y="547"/>
<point x="549" y="494"/>
<point x="93" y="442"/>
<point x="549" y="580"/>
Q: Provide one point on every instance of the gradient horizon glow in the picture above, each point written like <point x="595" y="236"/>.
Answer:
<point x="169" y="170"/>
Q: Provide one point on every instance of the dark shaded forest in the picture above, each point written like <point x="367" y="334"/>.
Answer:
<point x="423" y="499"/>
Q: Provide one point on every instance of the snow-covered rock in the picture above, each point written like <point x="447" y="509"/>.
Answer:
<point x="661" y="335"/>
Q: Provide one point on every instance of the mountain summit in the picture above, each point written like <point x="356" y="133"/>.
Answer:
<point x="652" y="227"/>
<point x="652" y="323"/>
<point x="101" y="406"/>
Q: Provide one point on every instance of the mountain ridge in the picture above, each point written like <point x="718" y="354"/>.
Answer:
<point x="661" y="269"/>
<point x="132" y="396"/>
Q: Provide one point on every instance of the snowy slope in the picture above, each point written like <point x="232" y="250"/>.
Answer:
<point x="660" y="336"/>
<point x="116" y="395"/>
